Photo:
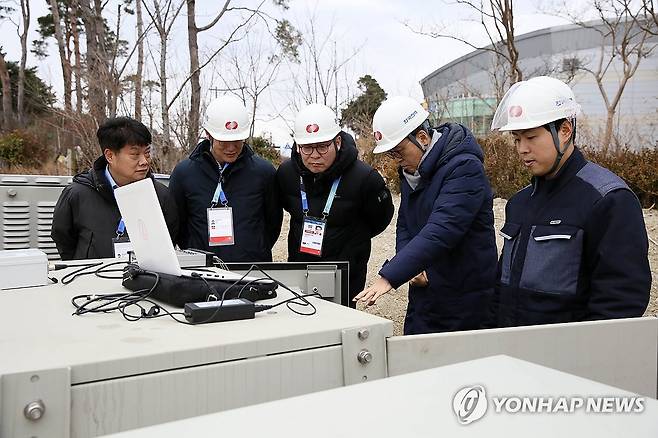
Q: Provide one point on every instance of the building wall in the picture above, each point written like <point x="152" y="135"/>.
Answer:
<point x="543" y="53"/>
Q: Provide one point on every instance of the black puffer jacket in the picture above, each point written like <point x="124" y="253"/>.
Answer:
<point x="86" y="215"/>
<point x="361" y="210"/>
<point x="248" y="184"/>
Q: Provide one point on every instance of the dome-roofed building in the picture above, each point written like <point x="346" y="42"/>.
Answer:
<point x="465" y="90"/>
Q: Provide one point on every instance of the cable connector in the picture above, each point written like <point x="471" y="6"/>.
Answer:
<point x="262" y="307"/>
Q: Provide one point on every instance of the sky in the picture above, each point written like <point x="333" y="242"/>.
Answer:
<point x="385" y="48"/>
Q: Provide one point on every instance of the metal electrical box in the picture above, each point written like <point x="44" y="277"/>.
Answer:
<point x="67" y="376"/>
<point x="26" y="214"/>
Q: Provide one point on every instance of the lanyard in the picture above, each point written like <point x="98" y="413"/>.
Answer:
<point x="121" y="228"/>
<point x="219" y="191"/>
<point x="330" y="198"/>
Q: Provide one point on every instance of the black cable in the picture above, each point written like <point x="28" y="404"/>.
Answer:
<point x="100" y="272"/>
<point x="75" y="274"/>
<point x="263" y="307"/>
<point x="304" y="302"/>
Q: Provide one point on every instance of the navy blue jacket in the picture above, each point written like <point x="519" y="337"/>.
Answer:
<point x="445" y="227"/>
<point x="250" y="190"/>
<point x="362" y="209"/>
<point x="575" y="249"/>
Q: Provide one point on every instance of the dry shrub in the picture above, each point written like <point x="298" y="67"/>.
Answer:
<point x="504" y="169"/>
<point x="20" y="148"/>
<point x="638" y="168"/>
<point x="386" y="166"/>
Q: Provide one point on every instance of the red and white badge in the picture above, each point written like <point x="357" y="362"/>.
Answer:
<point x="220" y="226"/>
<point x="312" y="236"/>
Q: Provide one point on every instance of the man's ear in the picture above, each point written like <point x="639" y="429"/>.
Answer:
<point x="423" y="138"/>
<point x="338" y="141"/>
<point x="109" y="155"/>
<point x="565" y="132"/>
<point x="566" y="128"/>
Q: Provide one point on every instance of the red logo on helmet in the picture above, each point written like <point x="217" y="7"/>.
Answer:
<point x="231" y="125"/>
<point x="515" y="111"/>
<point x="378" y="135"/>
<point x="312" y="128"/>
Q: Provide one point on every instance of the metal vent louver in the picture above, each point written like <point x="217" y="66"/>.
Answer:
<point x="16" y="225"/>
<point x="44" y="223"/>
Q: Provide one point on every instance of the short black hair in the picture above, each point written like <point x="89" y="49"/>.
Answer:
<point x="558" y="124"/>
<point x="118" y="132"/>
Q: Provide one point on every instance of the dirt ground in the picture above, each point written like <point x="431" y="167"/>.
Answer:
<point x="393" y="305"/>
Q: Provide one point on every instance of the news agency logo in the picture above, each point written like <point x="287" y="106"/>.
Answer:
<point x="470" y="404"/>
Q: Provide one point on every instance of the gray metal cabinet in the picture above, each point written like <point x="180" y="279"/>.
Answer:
<point x="95" y="374"/>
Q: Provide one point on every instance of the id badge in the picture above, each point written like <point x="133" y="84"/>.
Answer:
<point x="312" y="236"/>
<point x="220" y="226"/>
<point x="122" y="245"/>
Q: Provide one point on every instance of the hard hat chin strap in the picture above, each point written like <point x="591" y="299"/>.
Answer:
<point x="556" y="143"/>
<point x="412" y="138"/>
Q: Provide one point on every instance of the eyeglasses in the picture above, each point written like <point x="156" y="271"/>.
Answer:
<point x="322" y="148"/>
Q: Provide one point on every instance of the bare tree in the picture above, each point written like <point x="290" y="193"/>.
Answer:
<point x="61" y="45"/>
<point x="625" y="33"/>
<point x="5" y="81"/>
<point x="119" y="49"/>
<point x="163" y="15"/>
<point x="97" y="66"/>
<point x="195" y="71"/>
<point x="497" y="20"/>
<point x="251" y="71"/>
<point x="315" y="76"/>
<point x="77" y="68"/>
<point x="140" y="61"/>
<point x="20" y="95"/>
<point x="7" y="108"/>
<point x="284" y="35"/>
<point x="650" y="21"/>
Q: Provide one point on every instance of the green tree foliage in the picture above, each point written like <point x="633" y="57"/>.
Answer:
<point x="359" y="112"/>
<point x="39" y="97"/>
<point x="264" y="147"/>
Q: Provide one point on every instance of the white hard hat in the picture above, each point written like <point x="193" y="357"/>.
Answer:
<point x="396" y="118"/>
<point x="227" y="119"/>
<point x="315" y="123"/>
<point x="535" y="102"/>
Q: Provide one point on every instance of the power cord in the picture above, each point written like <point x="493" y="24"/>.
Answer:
<point x="122" y="302"/>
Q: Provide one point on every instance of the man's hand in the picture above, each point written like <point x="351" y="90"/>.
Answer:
<point x="370" y="294"/>
<point x="419" y="280"/>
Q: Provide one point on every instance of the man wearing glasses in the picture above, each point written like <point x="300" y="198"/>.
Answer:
<point x="336" y="202"/>
<point x="445" y="243"/>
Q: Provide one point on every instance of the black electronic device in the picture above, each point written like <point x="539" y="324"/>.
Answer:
<point x="219" y="311"/>
<point x="195" y="287"/>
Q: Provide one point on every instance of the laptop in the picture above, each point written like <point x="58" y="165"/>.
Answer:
<point x="150" y="237"/>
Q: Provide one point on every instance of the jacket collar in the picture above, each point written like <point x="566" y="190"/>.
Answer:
<point x="571" y="167"/>
<point x="203" y="155"/>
